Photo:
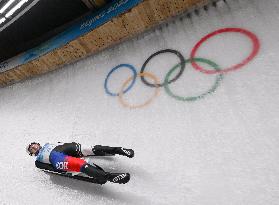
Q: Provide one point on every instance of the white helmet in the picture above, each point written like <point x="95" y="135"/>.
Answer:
<point x="28" y="148"/>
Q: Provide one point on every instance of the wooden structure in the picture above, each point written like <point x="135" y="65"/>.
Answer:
<point x="144" y="16"/>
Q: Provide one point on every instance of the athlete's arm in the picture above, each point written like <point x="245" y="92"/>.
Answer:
<point x="44" y="166"/>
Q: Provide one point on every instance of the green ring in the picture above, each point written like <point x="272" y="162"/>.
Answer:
<point x="219" y="77"/>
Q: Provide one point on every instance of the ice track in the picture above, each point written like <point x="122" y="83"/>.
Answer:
<point x="220" y="148"/>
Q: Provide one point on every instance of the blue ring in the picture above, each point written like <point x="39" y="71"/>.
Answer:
<point x="114" y="69"/>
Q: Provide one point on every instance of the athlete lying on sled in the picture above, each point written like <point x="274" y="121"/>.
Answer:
<point x="67" y="159"/>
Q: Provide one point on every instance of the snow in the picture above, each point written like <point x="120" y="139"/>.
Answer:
<point x="221" y="149"/>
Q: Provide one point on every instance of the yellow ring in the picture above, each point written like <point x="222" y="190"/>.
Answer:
<point x="145" y="74"/>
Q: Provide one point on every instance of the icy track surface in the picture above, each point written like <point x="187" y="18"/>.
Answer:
<point x="220" y="148"/>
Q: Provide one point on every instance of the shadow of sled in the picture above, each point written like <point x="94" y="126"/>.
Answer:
<point x="74" y="175"/>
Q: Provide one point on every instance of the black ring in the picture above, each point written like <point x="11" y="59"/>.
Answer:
<point x="182" y="67"/>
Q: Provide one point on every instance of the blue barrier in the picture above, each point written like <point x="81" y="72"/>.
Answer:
<point x="85" y="25"/>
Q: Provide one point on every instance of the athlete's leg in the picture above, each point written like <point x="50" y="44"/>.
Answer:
<point x="100" y="150"/>
<point x="77" y="164"/>
<point x="67" y="163"/>
<point x="77" y="150"/>
<point x="80" y="165"/>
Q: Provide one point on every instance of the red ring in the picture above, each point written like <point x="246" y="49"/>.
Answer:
<point x="252" y="36"/>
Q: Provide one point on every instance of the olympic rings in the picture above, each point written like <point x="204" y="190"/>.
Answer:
<point x="253" y="38"/>
<point x="182" y="67"/>
<point x="194" y="98"/>
<point x="120" y="96"/>
<point x="114" y="69"/>
<point x="193" y="60"/>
